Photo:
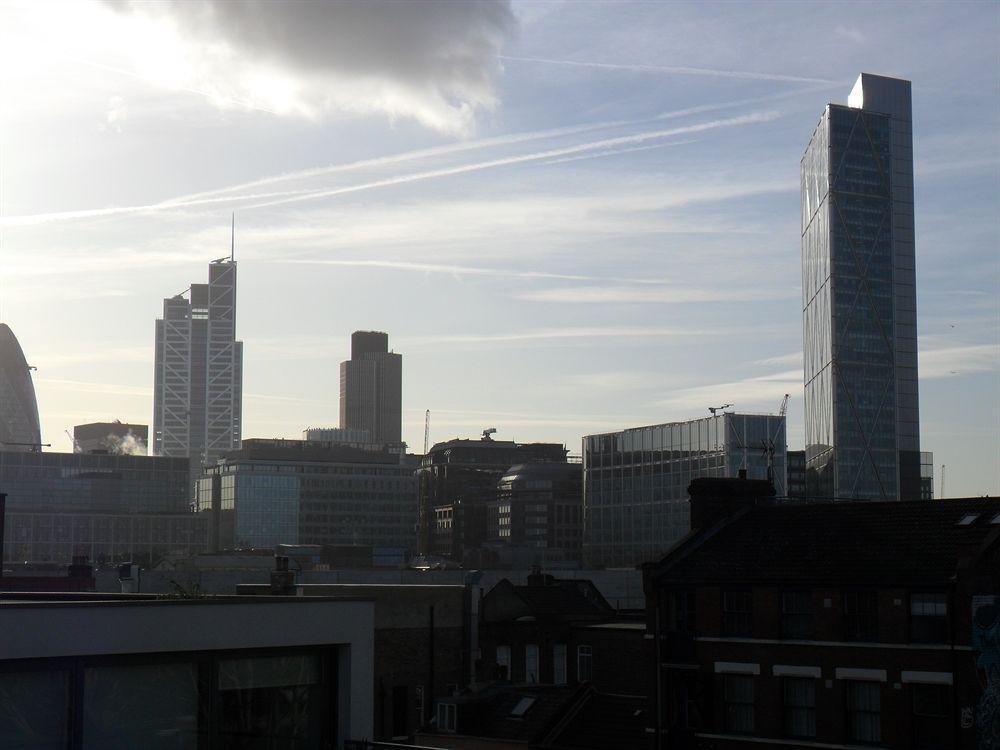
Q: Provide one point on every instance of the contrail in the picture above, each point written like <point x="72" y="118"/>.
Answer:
<point x="683" y="70"/>
<point x="615" y="152"/>
<point x="277" y="198"/>
<point x="752" y="118"/>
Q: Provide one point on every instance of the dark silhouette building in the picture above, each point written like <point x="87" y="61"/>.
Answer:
<point x="832" y="624"/>
<point x="371" y="388"/>
<point x="19" y="429"/>
<point x="457" y="480"/>
<point x="539" y="506"/>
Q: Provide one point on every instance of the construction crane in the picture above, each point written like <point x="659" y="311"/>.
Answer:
<point x="943" y="466"/>
<point x="783" y="409"/>
<point x="714" y="409"/>
<point x="489" y="431"/>
<point x="76" y="445"/>
<point x="427" y="431"/>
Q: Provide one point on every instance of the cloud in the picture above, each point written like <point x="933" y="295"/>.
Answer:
<point x="792" y="358"/>
<point x="675" y="69"/>
<point x="852" y="34"/>
<point x="433" y="61"/>
<point x="958" y="360"/>
<point x="612" y="294"/>
<point x="116" y="115"/>
<point x="763" y="392"/>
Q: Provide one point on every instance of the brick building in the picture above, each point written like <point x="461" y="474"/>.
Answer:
<point x="831" y="625"/>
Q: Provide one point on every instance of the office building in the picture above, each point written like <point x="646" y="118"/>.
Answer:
<point x="107" y="507"/>
<point x="457" y="482"/>
<point x="539" y="505"/>
<point x="859" y="297"/>
<point x="927" y="475"/>
<point x="19" y="430"/>
<point x="635" y="481"/>
<point x="198" y="383"/>
<point x="825" y="624"/>
<point x="274" y="492"/>
<point x="371" y="388"/>
<point x="111" y="437"/>
<point x="797" y="474"/>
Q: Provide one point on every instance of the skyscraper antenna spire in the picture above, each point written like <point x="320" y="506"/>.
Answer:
<point x="232" y="241"/>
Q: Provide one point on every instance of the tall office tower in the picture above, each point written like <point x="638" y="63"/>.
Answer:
<point x="198" y="385"/>
<point x="371" y="388"/>
<point x="19" y="430"/>
<point x="859" y="297"/>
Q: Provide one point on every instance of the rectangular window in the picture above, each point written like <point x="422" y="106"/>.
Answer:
<point x="799" y="695"/>
<point x="929" y="618"/>
<point x="446" y="717"/>
<point x="864" y="711"/>
<point x="738" y="696"/>
<point x="531" y="663"/>
<point x="503" y="662"/>
<point x="861" y="615"/>
<point x="559" y="664"/>
<point x="584" y="663"/>
<point x="796" y="615"/>
<point x="737" y="613"/>
<point x="684" y="610"/>
<point x="931" y="719"/>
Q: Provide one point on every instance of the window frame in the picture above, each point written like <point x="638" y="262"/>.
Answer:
<point x="584" y="657"/>
<point x="797" y="623"/>
<point x="731" y="704"/>
<point x="786" y="707"/>
<point x="737" y="623"/>
<point x="861" y="626"/>
<point x="851" y="711"/>
<point x="930" y="628"/>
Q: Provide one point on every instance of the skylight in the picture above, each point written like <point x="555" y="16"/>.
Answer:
<point x="522" y="707"/>
<point x="968" y="519"/>
<point x="996" y="520"/>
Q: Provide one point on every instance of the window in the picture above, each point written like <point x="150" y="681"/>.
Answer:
<point x="503" y="662"/>
<point x="738" y="696"/>
<point x="861" y="615"/>
<point x="559" y="664"/>
<point x="522" y="706"/>
<point x="584" y="663"/>
<point x="531" y="663"/>
<point x="931" y="716"/>
<point x="929" y="618"/>
<point x="796" y="615"/>
<point x="799" y="695"/>
<point x="737" y="613"/>
<point x="446" y="717"/>
<point x="864" y="711"/>
<point x="684" y="611"/>
<point x="418" y="703"/>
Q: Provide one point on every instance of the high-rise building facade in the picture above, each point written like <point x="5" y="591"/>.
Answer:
<point x="198" y="384"/>
<point x="859" y="297"/>
<point x="371" y="388"/>
<point x="635" y="482"/>
<point x="19" y="429"/>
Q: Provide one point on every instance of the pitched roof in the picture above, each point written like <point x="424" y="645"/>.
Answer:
<point x="872" y="542"/>
<point x="602" y="720"/>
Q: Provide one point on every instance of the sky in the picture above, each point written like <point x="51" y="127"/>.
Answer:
<point x="570" y="217"/>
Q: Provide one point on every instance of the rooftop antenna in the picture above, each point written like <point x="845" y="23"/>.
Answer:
<point x="714" y="409"/>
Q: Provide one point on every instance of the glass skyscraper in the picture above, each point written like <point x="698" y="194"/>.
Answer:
<point x="19" y="430"/>
<point x="859" y="297"/>
<point x="635" y="482"/>
<point x="198" y="383"/>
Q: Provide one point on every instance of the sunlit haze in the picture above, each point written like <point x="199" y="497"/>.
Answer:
<point x="570" y="217"/>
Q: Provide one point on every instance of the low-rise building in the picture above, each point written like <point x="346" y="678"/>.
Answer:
<point x="836" y="624"/>
<point x="136" y="671"/>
